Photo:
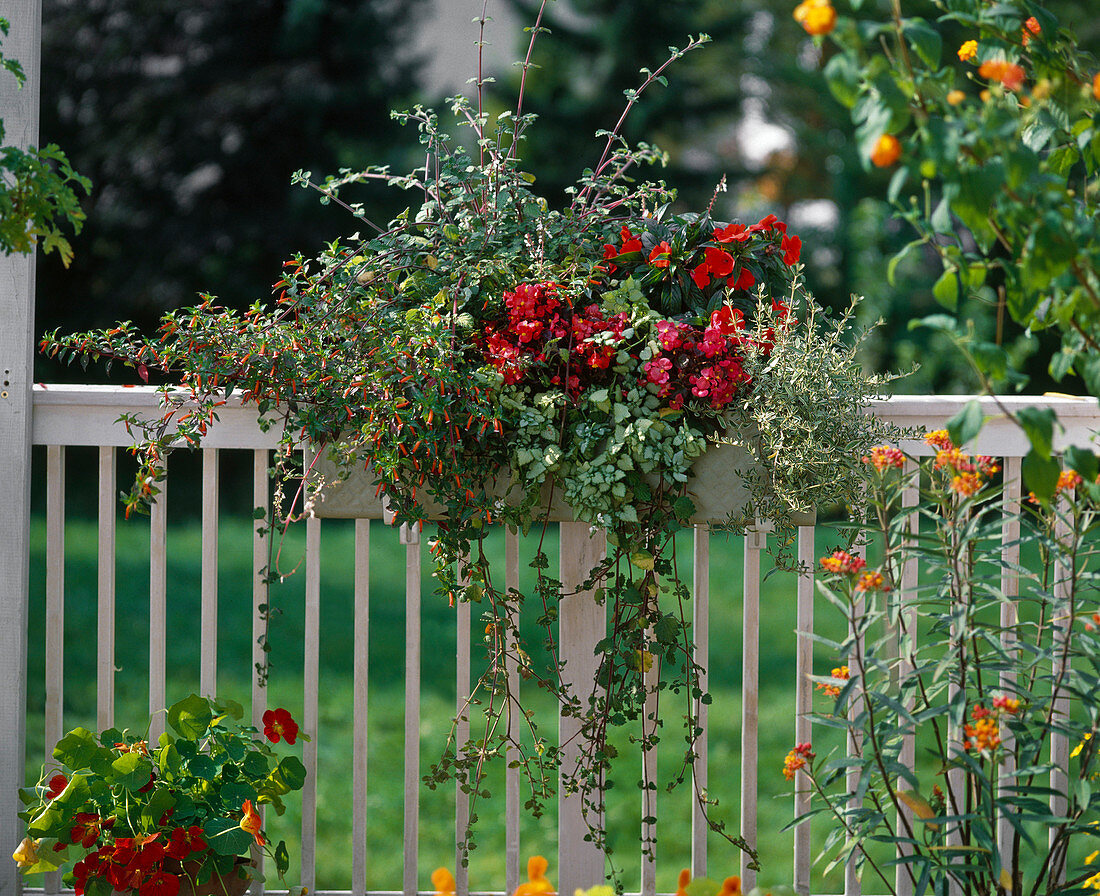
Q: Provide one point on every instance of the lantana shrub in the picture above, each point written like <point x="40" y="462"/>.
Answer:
<point x="986" y="115"/>
<point x="970" y="691"/>
<point x="485" y="350"/>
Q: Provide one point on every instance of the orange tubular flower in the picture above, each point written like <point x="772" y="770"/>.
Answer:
<point x="251" y="823"/>
<point x="968" y="50"/>
<point x="731" y="886"/>
<point x="683" y="881"/>
<point x="1031" y="25"/>
<point x="886" y="151"/>
<point x="817" y="17"/>
<point x="1096" y="85"/>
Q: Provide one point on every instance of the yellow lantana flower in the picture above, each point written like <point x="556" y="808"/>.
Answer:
<point x="968" y="50"/>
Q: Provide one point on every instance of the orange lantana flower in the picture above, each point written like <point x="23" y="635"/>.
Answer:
<point x="1008" y="73"/>
<point x="816" y="16"/>
<point x="968" y="50"/>
<point x="886" y="151"/>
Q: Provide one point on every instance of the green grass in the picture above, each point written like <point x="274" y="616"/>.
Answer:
<point x="385" y="722"/>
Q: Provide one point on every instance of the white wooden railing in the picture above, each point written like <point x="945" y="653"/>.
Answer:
<point x="67" y="416"/>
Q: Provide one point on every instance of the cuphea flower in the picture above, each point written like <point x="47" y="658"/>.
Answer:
<point x="796" y="759"/>
<point x="279" y="724"/>
<point x="886" y="151"/>
<point x="251" y="823"/>
<point x="968" y="50"/>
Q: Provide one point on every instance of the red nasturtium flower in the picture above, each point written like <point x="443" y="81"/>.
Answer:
<point x="87" y="828"/>
<point x="886" y="151"/>
<point x="279" y="724"/>
<point x="251" y="823"/>
<point x="160" y="884"/>
<point x="58" y="783"/>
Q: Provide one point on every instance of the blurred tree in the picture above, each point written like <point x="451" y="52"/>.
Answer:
<point x="189" y="117"/>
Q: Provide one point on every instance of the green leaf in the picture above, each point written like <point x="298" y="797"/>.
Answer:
<point x="190" y="717"/>
<point x="842" y="76"/>
<point x="925" y="41"/>
<point x="702" y="886"/>
<point x="1038" y="424"/>
<point x="966" y="424"/>
<point x="947" y="289"/>
<point x="1041" y="475"/>
<point x="292" y="772"/>
<point x="891" y="268"/>
<point x="132" y="771"/>
<point x="226" y="837"/>
<point x="77" y="749"/>
<point x="1083" y="461"/>
<point x="641" y="559"/>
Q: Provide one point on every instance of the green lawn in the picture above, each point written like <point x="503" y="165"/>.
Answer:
<point x="385" y="724"/>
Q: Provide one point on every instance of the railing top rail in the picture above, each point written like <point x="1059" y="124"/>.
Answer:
<point x="88" y="415"/>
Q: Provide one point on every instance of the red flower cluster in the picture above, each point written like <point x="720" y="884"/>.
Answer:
<point x="699" y="362"/>
<point x="140" y="863"/>
<point x="541" y="320"/>
<point x="843" y="562"/>
<point x="883" y="457"/>
<point x="796" y="759"/>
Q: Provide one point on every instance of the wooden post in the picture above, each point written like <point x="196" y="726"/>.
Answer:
<point x="582" y="624"/>
<point x="19" y="111"/>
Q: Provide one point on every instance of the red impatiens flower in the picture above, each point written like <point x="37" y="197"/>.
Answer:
<point x="58" y="783"/>
<point x="660" y="256"/>
<point x="744" y="280"/>
<point x="278" y="724"/>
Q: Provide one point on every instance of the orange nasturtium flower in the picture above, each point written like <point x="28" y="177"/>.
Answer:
<point x="684" y="880"/>
<point x="26" y="853"/>
<point x="817" y="17"/>
<point x="537" y="883"/>
<point x="886" y="151"/>
<point x="968" y="50"/>
<point x="444" y="882"/>
<point x="251" y="823"/>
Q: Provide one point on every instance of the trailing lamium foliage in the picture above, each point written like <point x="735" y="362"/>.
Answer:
<point x="484" y="354"/>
